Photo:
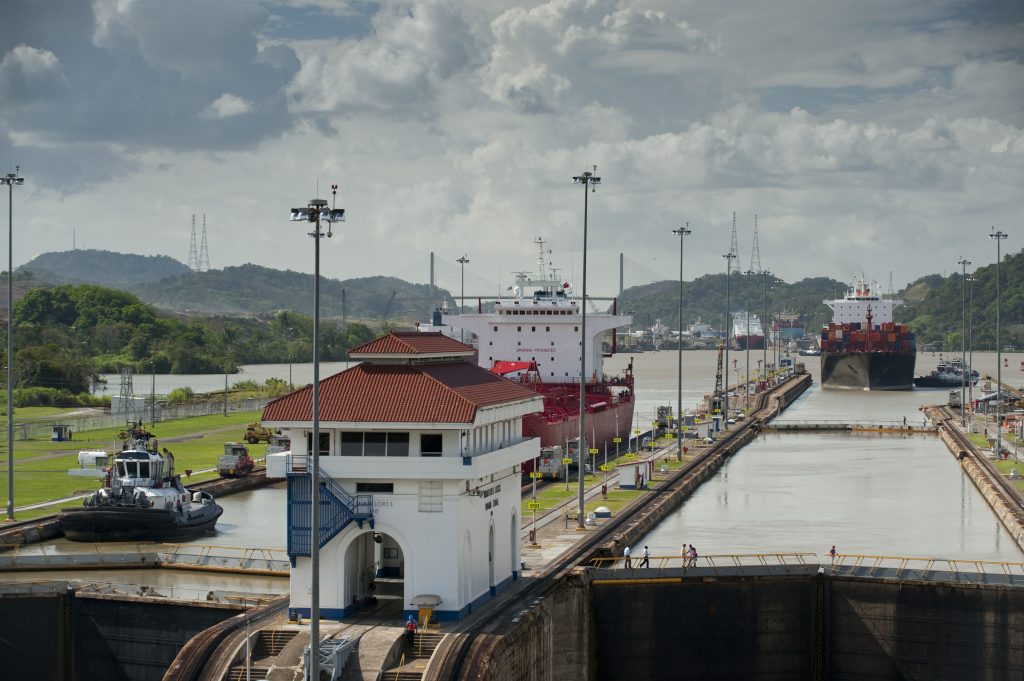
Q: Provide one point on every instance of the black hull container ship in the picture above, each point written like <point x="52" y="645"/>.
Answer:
<point x="143" y="500"/>
<point x="863" y="348"/>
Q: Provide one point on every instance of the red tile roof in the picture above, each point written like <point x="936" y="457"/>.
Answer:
<point x="411" y="343"/>
<point x="445" y="392"/>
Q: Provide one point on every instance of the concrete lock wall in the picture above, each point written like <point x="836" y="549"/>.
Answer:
<point x="34" y="640"/>
<point x="779" y="627"/>
<point x="699" y="630"/>
<point x="134" y="639"/>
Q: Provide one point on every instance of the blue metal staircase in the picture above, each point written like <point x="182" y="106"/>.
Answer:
<point x="338" y="508"/>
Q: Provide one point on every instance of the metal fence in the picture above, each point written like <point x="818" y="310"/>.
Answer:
<point x="41" y="430"/>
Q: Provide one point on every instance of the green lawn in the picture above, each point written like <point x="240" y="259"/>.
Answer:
<point x="39" y="479"/>
<point x="1005" y="467"/>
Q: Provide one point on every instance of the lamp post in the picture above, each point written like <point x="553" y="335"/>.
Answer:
<point x="152" y="394"/>
<point x="999" y="236"/>
<point x="728" y="332"/>
<point x="767" y="335"/>
<point x="462" y="295"/>
<point x="316" y="212"/>
<point x="589" y="180"/>
<point x="10" y="179"/>
<point x="964" y="376"/>
<point x="225" y="387"/>
<point x="970" y="346"/>
<point x="682" y="232"/>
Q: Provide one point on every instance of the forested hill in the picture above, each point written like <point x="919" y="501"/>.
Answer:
<point x="243" y="290"/>
<point x="106" y="268"/>
<point x="935" y="305"/>
<point x="705" y="297"/>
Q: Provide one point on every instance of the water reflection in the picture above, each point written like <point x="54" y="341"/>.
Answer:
<point x="867" y="494"/>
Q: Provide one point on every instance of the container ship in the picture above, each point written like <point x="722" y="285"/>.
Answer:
<point x="788" y="327"/>
<point x="746" y="329"/>
<point x="863" y="348"/>
<point x="533" y="337"/>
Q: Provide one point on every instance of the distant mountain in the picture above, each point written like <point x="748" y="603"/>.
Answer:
<point x="123" y="271"/>
<point x="244" y="290"/>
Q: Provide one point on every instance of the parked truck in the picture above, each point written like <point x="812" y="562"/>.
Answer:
<point x="254" y="432"/>
<point x="235" y="462"/>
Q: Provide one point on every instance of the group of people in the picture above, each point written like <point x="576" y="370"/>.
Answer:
<point x="688" y="554"/>
<point x="628" y="555"/>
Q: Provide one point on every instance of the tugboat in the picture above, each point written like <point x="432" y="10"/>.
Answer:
<point x="950" y="374"/>
<point x="143" y="500"/>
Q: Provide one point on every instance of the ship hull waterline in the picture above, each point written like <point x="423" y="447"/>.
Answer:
<point x="133" y="524"/>
<point x="867" y="370"/>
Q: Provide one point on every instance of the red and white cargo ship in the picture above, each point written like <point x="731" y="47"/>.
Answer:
<point x="534" y="337"/>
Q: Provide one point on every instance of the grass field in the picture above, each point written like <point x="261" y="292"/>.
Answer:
<point x="41" y="466"/>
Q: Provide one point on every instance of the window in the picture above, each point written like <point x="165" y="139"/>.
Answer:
<point x="325" y="443"/>
<point x="431" y="444"/>
<point x="398" y="444"/>
<point x="495" y="329"/>
<point x="375" y="444"/>
<point x="430" y="498"/>
<point x="371" y="487"/>
<point x="533" y="328"/>
<point x="351" y="444"/>
<point x="548" y="329"/>
<point x="519" y="328"/>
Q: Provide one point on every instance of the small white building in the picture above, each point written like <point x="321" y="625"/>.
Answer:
<point x="420" y="453"/>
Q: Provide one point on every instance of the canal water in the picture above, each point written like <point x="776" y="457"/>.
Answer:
<point x="803" y="492"/>
<point x="783" y="492"/>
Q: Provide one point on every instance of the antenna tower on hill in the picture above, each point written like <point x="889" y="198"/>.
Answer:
<point x="204" y="252"/>
<point x="755" y="256"/>
<point x="193" y="253"/>
<point x="734" y="247"/>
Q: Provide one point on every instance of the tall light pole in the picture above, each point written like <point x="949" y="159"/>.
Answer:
<point x="729" y="257"/>
<point x="462" y="296"/>
<point x="152" y="394"/>
<point x="589" y="180"/>
<point x="316" y="212"/>
<point x="964" y="376"/>
<point x="999" y="236"/>
<point x="682" y="232"/>
<point x="767" y="335"/>
<point x="970" y="344"/>
<point x="10" y="179"/>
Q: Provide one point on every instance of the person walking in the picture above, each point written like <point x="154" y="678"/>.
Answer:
<point x="832" y="552"/>
<point x="693" y="557"/>
<point x="625" y="554"/>
<point x="646" y="562"/>
<point x="684" y="554"/>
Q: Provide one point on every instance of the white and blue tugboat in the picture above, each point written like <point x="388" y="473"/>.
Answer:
<point x="143" y="500"/>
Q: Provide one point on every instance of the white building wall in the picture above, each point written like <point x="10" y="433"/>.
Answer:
<point x="432" y="545"/>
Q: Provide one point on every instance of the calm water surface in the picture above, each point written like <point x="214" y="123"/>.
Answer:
<point x="784" y="492"/>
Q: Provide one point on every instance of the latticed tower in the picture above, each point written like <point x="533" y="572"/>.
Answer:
<point x="734" y="246"/>
<point x="755" y="256"/>
<point x="204" y="252"/>
<point x="193" y="252"/>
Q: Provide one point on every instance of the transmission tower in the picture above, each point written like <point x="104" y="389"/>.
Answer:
<point x="755" y="256"/>
<point x="734" y="247"/>
<point x="193" y="253"/>
<point x="204" y="252"/>
<point x="127" y="392"/>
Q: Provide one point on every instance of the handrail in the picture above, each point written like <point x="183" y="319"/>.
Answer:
<point x="843" y="562"/>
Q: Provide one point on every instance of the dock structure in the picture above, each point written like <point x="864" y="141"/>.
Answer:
<point x="896" y="427"/>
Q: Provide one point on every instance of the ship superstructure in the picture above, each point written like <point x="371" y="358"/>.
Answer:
<point x="534" y="337"/>
<point x="863" y="348"/>
<point x="746" y="329"/>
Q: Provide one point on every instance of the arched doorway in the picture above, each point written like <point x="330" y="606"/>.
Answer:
<point x="374" y="571"/>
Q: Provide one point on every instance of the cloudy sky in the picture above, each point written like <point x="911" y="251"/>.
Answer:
<point x="869" y="136"/>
